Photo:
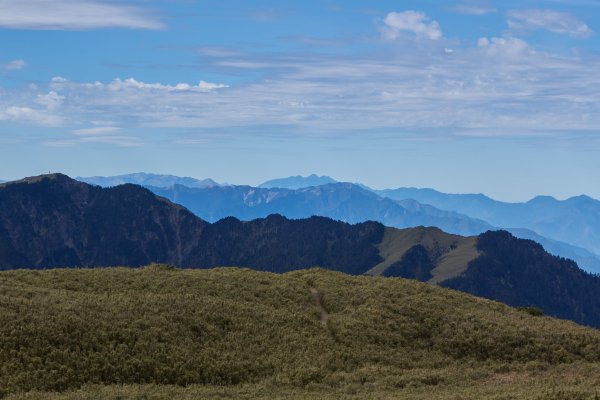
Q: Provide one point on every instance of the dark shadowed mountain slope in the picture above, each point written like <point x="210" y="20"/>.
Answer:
<point x="278" y="244"/>
<point x="145" y="179"/>
<point x="584" y="258"/>
<point x="53" y="221"/>
<point x="341" y="201"/>
<point x="297" y="182"/>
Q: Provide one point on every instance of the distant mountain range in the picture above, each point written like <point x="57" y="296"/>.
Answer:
<point x="293" y="198"/>
<point x="298" y="182"/>
<point x="146" y="179"/>
<point x="343" y="201"/>
<point x="569" y="228"/>
<point x="575" y="221"/>
<point x="54" y="221"/>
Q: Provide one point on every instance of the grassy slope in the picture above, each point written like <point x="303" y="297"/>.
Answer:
<point x="452" y="253"/>
<point x="231" y="333"/>
<point x="456" y="261"/>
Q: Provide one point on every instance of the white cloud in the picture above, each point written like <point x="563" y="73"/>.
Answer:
<point x="553" y="21"/>
<point x="508" y="48"/>
<point x="116" y="85"/>
<point x="101" y="130"/>
<point x="59" y="143"/>
<point x="29" y="115"/>
<point x="73" y="15"/>
<point x="474" y="9"/>
<point x="13" y="65"/>
<point x="411" y="21"/>
<point x="51" y="100"/>
<point x="122" y="141"/>
<point x="131" y="83"/>
<point x="105" y="135"/>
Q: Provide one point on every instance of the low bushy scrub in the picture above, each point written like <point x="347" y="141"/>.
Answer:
<point x="130" y="333"/>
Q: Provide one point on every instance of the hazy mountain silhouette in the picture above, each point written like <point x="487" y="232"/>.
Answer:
<point x="569" y="228"/>
<point x="297" y="182"/>
<point x="575" y="221"/>
<point x="146" y="179"/>
<point x="350" y="203"/>
<point x="341" y="201"/>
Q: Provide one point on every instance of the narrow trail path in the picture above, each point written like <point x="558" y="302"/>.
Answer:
<point x="324" y="314"/>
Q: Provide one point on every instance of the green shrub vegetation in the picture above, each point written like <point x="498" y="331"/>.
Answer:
<point x="159" y="332"/>
<point x="536" y="312"/>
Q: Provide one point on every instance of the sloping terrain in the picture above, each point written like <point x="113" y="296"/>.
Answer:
<point x="445" y="250"/>
<point x="228" y="333"/>
<point x="54" y="221"/>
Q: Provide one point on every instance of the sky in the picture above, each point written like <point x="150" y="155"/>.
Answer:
<point x="494" y="97"/>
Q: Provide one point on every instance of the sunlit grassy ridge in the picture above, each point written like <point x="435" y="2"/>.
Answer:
<point x="236" y="333"/>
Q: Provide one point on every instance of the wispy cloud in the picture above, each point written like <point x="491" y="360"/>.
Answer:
<point x="265" y="15"/>
<point x="553" y="21"/>
<point x="99" y="130"/>
<point x="29" y="106"/>
<point x="116" y="140"/>
<point x="410" y="21"/>
<point x="506" y="49"/>
<point x="51" y="100"/>
<point x="118" y="84"/>
<point x="29" y="115"/>
<point x="74" y="15"/>
<point x="501" y="86"/>
<point x="12" y="65"/>
<point x="474" y="9"/>
<point x="112" y="135"/>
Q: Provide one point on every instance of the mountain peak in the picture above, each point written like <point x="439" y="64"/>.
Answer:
<point x="58" y="177"/>
<point x="298" y="182"/>
<point x="581" y="199"/>
<point x="543" y="199"/>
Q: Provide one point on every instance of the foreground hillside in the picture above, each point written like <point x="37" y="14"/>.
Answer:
<point x="159" y="332"/>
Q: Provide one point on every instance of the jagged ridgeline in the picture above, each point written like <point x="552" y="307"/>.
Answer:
<point x="54" y="221"/>
<point x="159" y="332"/>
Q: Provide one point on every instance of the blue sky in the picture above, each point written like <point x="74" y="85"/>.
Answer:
<point x="475" y="96"/>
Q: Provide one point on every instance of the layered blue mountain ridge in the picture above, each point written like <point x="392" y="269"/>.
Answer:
<point x="146" y="179"/>
<point x="569" y="228"/>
